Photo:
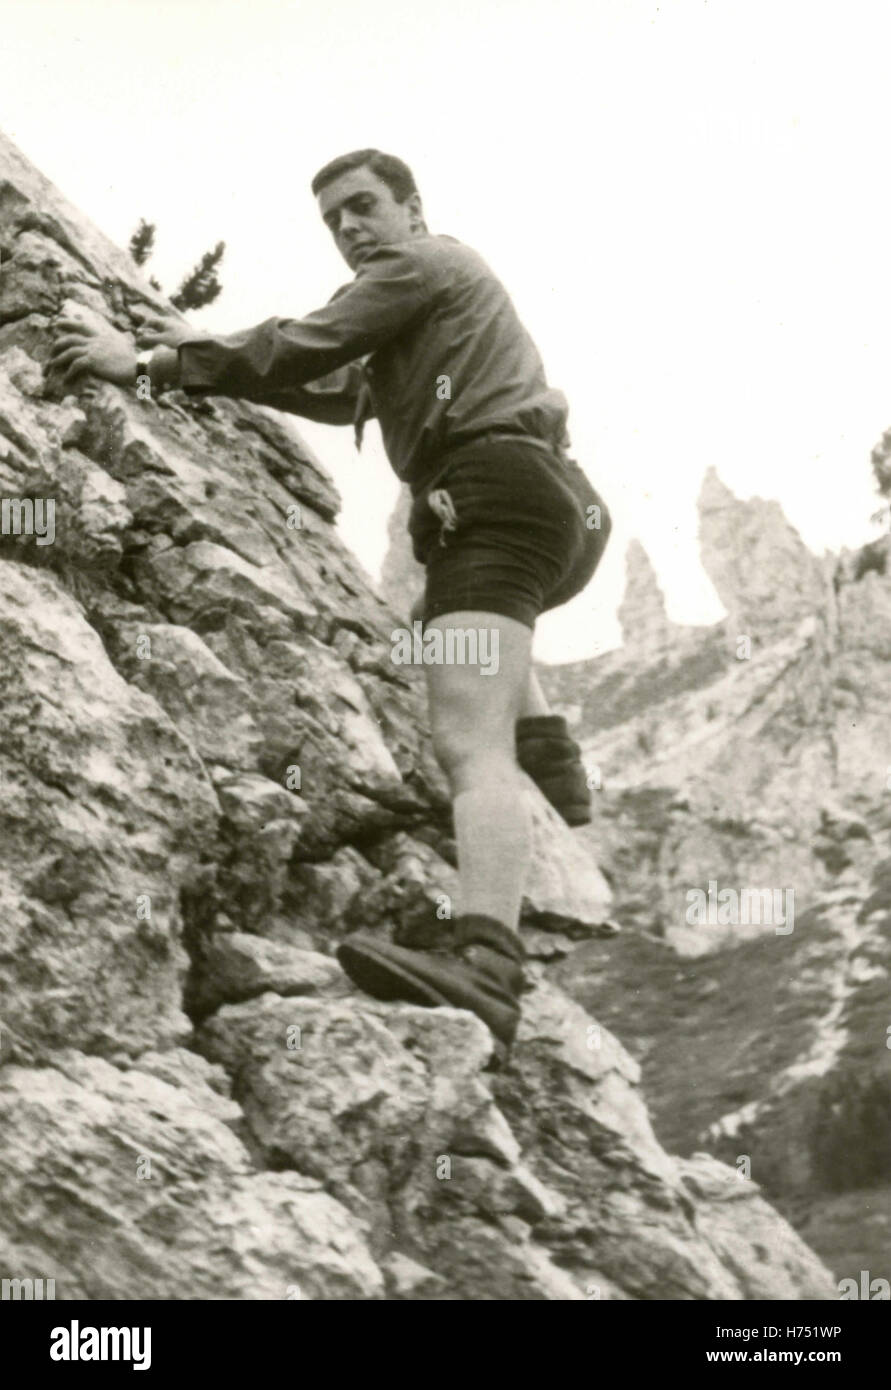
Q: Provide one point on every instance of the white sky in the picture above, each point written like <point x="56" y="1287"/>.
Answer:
<point x="687" y="201"/>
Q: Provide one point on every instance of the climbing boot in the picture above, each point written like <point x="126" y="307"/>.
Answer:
<point x="553" y="760"/>
<point x="482" y="970"/>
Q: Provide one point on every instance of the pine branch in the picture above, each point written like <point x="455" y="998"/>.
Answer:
<point x="881" y="465"/>
<point x="142" y="242"/>
<point x="201" y="286"/>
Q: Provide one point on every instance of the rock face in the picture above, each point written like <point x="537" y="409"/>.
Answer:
<point x="748" y="756"/>
<point x="402" y="578"/>
<point x="763" y="572"/>
<point x="644" y="621"/>
<point x="211" y="771"/>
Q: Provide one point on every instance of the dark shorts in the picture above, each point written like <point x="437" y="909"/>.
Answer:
<point x="518" y="531"/>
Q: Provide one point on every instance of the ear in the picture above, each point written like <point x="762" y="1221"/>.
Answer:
<point x="415" y="208"/>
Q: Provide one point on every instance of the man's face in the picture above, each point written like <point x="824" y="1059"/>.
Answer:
<point x="360" y="211"/>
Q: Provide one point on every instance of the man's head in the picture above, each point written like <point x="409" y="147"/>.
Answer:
<point x="366" y="199"/>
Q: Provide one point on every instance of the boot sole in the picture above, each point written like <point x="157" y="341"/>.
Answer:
<point x="384" y="979"/>
<point x="376" y="968"/>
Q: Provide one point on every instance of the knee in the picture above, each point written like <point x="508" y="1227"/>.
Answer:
<point x="466" y="751"/>
<point x="453" y="747"/>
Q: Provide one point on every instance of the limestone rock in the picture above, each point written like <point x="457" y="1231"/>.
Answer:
<point x="402" y="578"/>
<point x="750" y="765"/>
<point x="763" y="572"/>
<point x="644" y="621"/>
<point x="162" y="1198"/>
<point x="102" y="805"/>
<point x="204" y="699"/>
<point x="391" y="1108"/>
<point x="234" y="966"/>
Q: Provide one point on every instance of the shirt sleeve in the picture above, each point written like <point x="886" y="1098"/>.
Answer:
<point x="332" y="400"/>
<point x="389" y="291"/>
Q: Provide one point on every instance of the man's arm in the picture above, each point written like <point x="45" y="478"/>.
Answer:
<point x="275" y="362"/>
<point x="389" y="291"/>
<point x="330" y="401"/>
<point x="104" y="352"/>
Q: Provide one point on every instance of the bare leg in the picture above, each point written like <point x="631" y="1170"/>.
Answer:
<point x="473" y="717"/>
<point x="473" y="712"/>
<point x="534" y="700"/>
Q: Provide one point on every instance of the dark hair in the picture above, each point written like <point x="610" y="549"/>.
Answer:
<point x="390" y="170"/>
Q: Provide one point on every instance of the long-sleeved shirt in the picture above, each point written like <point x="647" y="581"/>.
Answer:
<point x="425" y="338"/>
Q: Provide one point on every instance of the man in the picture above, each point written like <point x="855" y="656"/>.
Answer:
<point x="426" y="339"/>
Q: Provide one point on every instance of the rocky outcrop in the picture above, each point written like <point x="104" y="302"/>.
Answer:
<point x="754" y="755"/>
<point x="763" y="572"/>
<point x="402" y="578"/>
<point x="211" y="771"/>
<point x="642" y="616"/>
<point x="725" y="754"/>
<point x="774" y="1054"/>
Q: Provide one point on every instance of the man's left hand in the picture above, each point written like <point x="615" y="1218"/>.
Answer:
<point x="163" y="330"/>
<point x="102" y="351"/>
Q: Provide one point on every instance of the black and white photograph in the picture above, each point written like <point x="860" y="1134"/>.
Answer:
<point x="445" y="666"/>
